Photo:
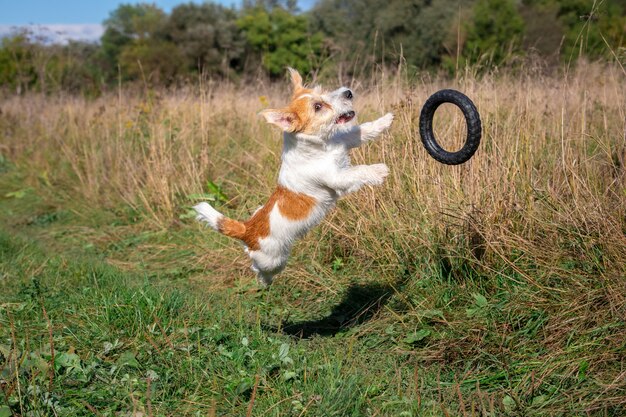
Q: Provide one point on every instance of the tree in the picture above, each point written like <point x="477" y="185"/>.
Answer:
<point x="495" y="31"/>
<point x="81" y="68"/>
<point x="543" y="32"/>
<point x="154" y="60"/>
<point x="280" y="39"/>
<point x="588" y="22"/>
<point x="134" y="40"/>
<point x="16" y="67"/>
<point x="207" y="36"/>
<point x="369" y="31"/>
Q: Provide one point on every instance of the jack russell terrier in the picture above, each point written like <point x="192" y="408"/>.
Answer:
<point x="318" y="133"/>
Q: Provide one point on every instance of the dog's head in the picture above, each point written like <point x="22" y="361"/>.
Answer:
<point x="313" y="111"/>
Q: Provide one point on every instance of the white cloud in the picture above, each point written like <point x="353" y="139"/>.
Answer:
<point x="58" y="33"/>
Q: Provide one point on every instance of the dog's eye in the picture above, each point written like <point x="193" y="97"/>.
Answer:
<point x="317" y="106"/>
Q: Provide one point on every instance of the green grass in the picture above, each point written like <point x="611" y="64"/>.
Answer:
<point x="84" y="334"/>
<point x="126" y="341"/>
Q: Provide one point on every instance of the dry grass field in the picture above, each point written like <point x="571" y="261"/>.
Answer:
<point x="497" y="287"/>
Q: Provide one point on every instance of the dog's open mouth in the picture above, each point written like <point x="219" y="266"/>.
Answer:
<point x="345" y="117"/>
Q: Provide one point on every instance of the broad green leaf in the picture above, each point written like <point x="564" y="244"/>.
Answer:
<point x="539" y="400"/>
<point x="128" y="358"/>
<point x="283" y="351"/>
<point x="417" y="336"/>
<point x="509" y="403"/>
<point x="432" y="314"/>
<point x="66" y="360"/>
<point x="243" y="386"/>
<point x="480" y="300"/>
<point x="471" y="312"/>
<point x="289" y="375"/>
<point x="216" y="190"/>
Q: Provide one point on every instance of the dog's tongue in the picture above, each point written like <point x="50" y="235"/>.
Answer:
<point x="346" y="117"/>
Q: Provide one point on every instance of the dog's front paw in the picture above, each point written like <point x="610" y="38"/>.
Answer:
<point x="378" y="173"/>
<point x="384" y="122"/>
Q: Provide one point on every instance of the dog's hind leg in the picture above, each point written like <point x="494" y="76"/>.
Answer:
<point x="264" y="278"/>
<point x="266" y="266"/>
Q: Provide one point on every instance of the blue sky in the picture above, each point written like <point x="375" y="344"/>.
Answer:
<point x="76" y="19"/>
<point x="21" y="12"/>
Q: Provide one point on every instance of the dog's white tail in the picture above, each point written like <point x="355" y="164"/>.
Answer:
<point x="219" y="222"/>
<point x="209" y="215"/>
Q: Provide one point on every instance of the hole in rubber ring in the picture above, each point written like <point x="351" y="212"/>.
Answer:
<point x="449" y="127"/>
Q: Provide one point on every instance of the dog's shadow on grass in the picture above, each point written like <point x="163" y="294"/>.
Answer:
<point x="359" y="304"/>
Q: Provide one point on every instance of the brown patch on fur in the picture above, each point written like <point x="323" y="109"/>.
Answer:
<point x="297" y="116"/>
<point x="301" y="108"/>
<point x="293" y="206"/>
<point x="231" y="228"/>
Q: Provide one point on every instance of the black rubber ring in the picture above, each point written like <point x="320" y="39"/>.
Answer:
<point x="472" y="119"/>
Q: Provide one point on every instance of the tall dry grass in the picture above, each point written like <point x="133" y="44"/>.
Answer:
<point x="551" y="163"/>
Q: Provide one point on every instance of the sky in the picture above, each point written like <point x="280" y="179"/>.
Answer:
<point x="61" y="20"/>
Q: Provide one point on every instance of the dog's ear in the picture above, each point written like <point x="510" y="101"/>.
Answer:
<point x="296" y="79"/>
<point x="284" y="119"/>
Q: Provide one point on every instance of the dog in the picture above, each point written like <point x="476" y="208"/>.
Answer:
<point x="319" y="130"/>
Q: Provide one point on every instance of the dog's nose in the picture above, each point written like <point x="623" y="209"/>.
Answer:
<point x="348" y="94"/>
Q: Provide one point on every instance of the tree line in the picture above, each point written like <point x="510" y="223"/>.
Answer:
<point x="143" y="43"/>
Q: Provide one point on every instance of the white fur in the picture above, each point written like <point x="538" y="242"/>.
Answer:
<point x="208" y="214"/>
<point x="317" y="165"/>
